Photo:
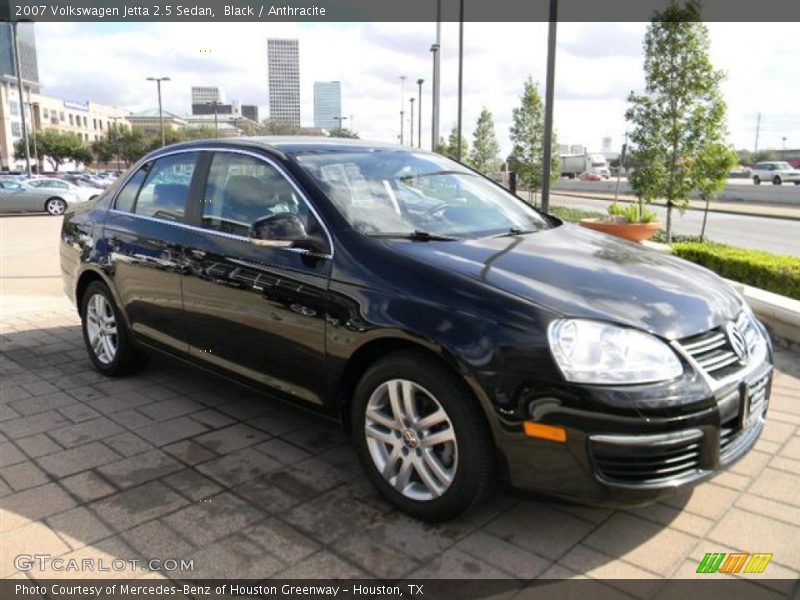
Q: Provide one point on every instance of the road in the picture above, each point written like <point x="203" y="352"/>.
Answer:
<point x="759" y="233"/>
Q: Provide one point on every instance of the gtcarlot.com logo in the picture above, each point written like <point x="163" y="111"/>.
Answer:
<point x="44" y="562"/>
<point x="734" y="562"/>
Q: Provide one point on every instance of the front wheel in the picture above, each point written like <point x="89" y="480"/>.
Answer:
<point x="422" y="437"/>
<point x="105" y="335"/>
<point x="776" y="180"/>
<point x="55" y="206"/>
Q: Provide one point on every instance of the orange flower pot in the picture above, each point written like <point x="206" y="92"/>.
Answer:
<point x="635" y="232"/>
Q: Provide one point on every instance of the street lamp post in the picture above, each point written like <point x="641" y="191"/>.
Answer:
<point x="158" y="81"/>
<point x="411" y="127"/>
<point x="402" y="112"/>
<point x="340" y="119"/>
<point x="18" y="68"/>
<point x="33" y="134"/>
<point x="460" y="73"/>
<point x="548" y="106"/>
<point x="419" y="113"/>
<point x="215" y="105"/>
<point x="436" y="80"/>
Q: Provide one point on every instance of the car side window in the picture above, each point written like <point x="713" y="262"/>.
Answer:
<point x="242" y="189"/>
<point x="127" y="195"/>
<point x="166" y="188"/>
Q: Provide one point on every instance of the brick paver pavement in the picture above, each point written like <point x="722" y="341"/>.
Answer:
<point x="173" y="463"/>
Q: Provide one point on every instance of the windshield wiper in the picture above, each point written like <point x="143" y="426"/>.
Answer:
<point x="417" y="236"/>
<point x="515" y="231"/>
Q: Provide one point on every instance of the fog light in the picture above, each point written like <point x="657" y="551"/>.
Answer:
<point x="545" y="432"/>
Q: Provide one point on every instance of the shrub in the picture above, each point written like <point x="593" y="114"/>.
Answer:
<point x="773" y="272"/>
<point x="630" y="213"/>
<point x="573" y="215"/>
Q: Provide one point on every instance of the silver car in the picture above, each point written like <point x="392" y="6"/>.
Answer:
<point x="53" y="183"/>
<point x="777" y="172"/>
<point x="22" y="197"/>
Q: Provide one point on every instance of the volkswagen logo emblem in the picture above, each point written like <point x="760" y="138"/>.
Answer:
<point x="738" y="343"/>
<point x="410" y="438"/>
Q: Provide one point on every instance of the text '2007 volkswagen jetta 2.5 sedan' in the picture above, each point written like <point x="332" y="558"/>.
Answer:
<point x="459" y="334"/>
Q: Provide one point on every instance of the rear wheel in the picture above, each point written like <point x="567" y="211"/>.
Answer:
<point x="105" y="335"/>
<point x="757" y="180"/>
<point x="421" y="437"/>
<point x="776" y="180"/>
<point x="55" y="206"/>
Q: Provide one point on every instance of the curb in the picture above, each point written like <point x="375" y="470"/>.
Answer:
<point x="711" y="210"/>
<point x="780" y="314"/>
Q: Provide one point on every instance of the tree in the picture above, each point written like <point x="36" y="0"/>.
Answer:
<point x="451" y="148"/>
<point x="442" y="147"/>
<point x="57" y="147"/>
<point x="681" y="110"/>
<point x="527" y="139"/>
<point x="276" y="127"/>
<point x="343" y="132"/>
<point x="710" y="173"/>
<point x="484" y="144"/>
<point x="134" y="146"/>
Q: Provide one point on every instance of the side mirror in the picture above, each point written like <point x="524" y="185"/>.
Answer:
<point x="281" y="231"/>
<point x="284" y="230"/>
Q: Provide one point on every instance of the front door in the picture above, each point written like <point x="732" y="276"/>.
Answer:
<point x="257" y="311"/>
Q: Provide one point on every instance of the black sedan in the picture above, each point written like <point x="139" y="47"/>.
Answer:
<point x="459" y="334"/>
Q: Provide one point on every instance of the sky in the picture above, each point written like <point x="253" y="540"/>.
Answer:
<point x="598" y="65"/>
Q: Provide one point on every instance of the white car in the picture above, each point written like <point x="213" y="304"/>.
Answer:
<point x="777" y="172"/>
<point x="53" y="183"/>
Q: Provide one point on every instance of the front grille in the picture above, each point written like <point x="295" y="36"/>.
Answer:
<point x="647" y="459"/>
<point x="713" y="351"/>
<point x="728" y="434"/>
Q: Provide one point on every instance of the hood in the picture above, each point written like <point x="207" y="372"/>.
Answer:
<point x="580" y="273"/>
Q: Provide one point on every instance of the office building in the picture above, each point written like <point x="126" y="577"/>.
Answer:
<point x="250" y="111"/>
<point x="204" y="94"/>
<point x="327" y="104"/>
<point x="283" y="62"/>
<point x="10" y="109"/>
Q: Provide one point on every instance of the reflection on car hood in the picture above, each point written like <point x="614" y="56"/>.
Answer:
<point x="577" y="272"/>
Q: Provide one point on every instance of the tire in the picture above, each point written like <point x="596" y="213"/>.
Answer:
<point x="105" y="335"/>
<point x="756" y="180"/>
<point x="433" y="482"/>
<point x="776" y="180"/>
<point x="797" y="182"/>
<point x="55" y="206"/>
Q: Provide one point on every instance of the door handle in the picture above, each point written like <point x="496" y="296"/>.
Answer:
<point x="197" y="253"/>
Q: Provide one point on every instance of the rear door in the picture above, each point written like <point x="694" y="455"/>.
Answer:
<point x="257" y="311"/>
<point x="146" y="233"/>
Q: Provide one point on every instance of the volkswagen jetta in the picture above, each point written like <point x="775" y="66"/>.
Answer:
<point x="458" y="333"/>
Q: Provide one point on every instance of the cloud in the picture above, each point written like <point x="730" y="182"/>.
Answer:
<point x="598" y="64"/>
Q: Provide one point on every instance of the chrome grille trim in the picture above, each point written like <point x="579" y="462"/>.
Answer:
<point x="712" y="354"/>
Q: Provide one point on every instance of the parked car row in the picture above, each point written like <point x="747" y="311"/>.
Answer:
<point x="50" y="193"/>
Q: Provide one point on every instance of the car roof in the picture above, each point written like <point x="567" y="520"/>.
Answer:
<point x="295" y="144"/>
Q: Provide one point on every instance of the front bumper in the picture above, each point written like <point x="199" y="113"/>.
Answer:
<point x="612" y="460"/>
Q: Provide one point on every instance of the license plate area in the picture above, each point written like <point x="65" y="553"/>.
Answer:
<point x="753" y="401"/>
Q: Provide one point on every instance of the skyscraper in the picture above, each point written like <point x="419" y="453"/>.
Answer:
<point x="327" y="104"/>
<point x="27" y="55"/>
<point x="203" y="94"/>
<point x="283" y="60"/>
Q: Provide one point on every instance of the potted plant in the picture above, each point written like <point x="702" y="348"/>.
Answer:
<point x="630" y="222"/>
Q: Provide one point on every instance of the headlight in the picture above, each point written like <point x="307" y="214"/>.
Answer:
<point x="596" y="352"/>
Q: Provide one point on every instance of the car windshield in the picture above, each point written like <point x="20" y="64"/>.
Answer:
<point x="398" y="193"/>
<point x="783" y="166"/>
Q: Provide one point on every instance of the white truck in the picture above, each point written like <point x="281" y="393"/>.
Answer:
<point x="573" y="165"/>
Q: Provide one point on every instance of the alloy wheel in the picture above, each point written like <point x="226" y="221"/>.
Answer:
<point x="411" y="439"/>
<point x="101" y="327"/>
<point x="55" y="206"/>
